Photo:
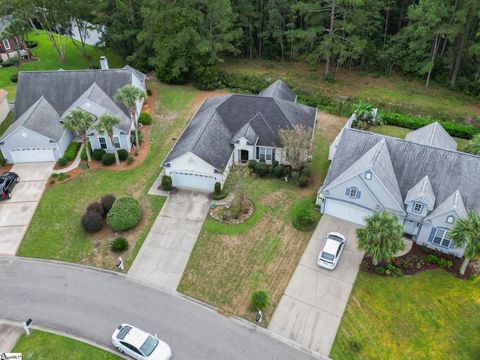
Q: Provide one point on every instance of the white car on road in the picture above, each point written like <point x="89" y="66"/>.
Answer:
<point x="139" y="344"/>
<point x="333" y="248"/>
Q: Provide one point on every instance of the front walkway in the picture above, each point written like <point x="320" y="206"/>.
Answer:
<point x="310" y="311"/>
<point x="17" y="212"/>
<point x="73" y="165"/>
<point x="165" y="252"/>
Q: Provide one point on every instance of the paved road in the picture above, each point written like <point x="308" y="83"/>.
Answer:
<point x="91" y="303"/>
<point x="310" y="311"/>
<point x="166" y="250"/>
<point x="16" y="213"/>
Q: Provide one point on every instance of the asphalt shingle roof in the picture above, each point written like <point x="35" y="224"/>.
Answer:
<point x="433" y="135"/>
<point x="280" y="90"/>
<point x="422" y="189"/>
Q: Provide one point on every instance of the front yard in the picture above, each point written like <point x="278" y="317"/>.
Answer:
<point x="431" y="315"/>
<point x="55" y="231"/>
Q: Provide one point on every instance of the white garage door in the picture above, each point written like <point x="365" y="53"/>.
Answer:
<point x="346" y="211"/>
<point x="32" y="155"/>
<point x="193" y="181"/>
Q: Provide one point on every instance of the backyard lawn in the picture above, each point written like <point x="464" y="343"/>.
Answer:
<point x="41" y="345"/>
<point x="399" y="94"/>
<point x="431" y="315"/>
<point x="55" y="231"/>
<point x="48" y="60"/>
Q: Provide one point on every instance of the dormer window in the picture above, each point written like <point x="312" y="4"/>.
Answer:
<point x="368" y="175"/>
<point x="417" y="207"/>
<point x="450" y="219"/>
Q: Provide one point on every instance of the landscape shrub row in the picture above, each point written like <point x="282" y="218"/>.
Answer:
<point x="72" y="151"/>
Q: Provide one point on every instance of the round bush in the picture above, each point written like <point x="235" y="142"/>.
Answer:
<point x="261" y="169"/>
<point x="96" y="208"/>
<point x="122" y="154"/>
<point x="302" y="181"/>
<point x="97" y="154"/>
<point x="108" y="159"/>
<point x="92" y="222"/>
<point x="124" y="214"/>
<point x="107" y="202"/>
<point x="307" y="171"/>
<point x="120" y="244"/>
<point x="259" y="300"/>
<point x="62" y="161"/>
<point x="278" y="171"/>
<point x="252" y="164"/>
<point x="303" y="218"/>
<point x="218" y="188"/>
<point x="145" y="118"/>
<point x="166" y="183"/>
<point x="14" y="78"/>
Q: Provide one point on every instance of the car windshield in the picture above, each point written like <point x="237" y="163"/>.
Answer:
<point x="327" y="256"/>
<point x="335" y="237"/>
<point x="149" y="345"/>
<point x="123" y="332"/>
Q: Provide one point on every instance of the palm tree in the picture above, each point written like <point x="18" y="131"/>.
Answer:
<point x="105" y="124"/>
<point x="80" y="121"/>
<point x="382" y="237"/>
<point x="474" y="145"/>
<point x="129" y="95"/>
<point x="466" y="233"/>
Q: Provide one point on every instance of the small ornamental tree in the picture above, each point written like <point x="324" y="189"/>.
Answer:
<point x="80" y="121"/>
<point x="466" y="233"/>
<point x="298" y="145"/>
<point x="105" y="125"/>
<point x="166" y="183"/>
<point x="382" y="237"/>
<point x="129" y="95"/>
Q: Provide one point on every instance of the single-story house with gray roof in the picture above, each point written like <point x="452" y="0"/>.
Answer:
<point x="422" y="180"/>
<point x="234" y="129"/>
<point x="45" y="98"/>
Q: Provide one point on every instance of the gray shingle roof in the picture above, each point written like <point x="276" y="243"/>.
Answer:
<point x="447" y="170"/>
<point x="247" y="132"/>
<point x="434" y="135"/>
<point x="422" y="189"/>
<point x="264" y="115"/>
<point x="453" y="202"/>
<point x="280" y="90"/>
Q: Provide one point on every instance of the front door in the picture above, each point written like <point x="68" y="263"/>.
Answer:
<point x="243" y="156"/>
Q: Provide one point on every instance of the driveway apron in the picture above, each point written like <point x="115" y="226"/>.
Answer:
<point x="17" y="212"/>
<point x="165" y="252"/>
<point x="312" y="306"/>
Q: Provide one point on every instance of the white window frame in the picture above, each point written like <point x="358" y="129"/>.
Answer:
<point x="6" y="44"/>
<point x="100" y="142"/>
<point x="414" y="207"/>
<point x="266" y="152"/>
<point x="441" y="237"/>
<point x="353" y="193"/>
<point x="116" y="140"/>
<point x="450" y="219"/>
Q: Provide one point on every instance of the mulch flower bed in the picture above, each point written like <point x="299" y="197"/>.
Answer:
<point x="417" y="260"/>
<point x="222" y="213"/>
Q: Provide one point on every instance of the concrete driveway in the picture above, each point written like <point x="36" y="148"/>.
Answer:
<point x="165" y="252"/>
<point x="16" y="213"/>
<point x="310" y="311"/>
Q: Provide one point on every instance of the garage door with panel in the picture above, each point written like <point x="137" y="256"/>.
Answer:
<point x="346" y="211"/>
<point x="23" y="155"/>
<point x="193" y="181"/>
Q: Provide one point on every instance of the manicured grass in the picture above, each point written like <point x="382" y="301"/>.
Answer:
<point x="431" y="315"/>
<point x="48" y="60"/>
<point x="6" y="123"/>
<point x="55" y="231"/>
<point x="401" y="133"/>
<point x="394" y="92"/>
<point x="230" y="262"/>
<point x="41" y="345"/>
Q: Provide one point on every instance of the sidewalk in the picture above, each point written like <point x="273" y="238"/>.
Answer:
<point x="9" y="335"/>
<point x="73" y="165"/>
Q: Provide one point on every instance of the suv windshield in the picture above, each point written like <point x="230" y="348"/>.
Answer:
<point x="327" y="256"/>
<point x="149" y="345"/>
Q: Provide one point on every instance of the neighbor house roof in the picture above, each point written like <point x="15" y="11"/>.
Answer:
<point x="279" y="90"/>
<point x="447" y="170"/>
<point x="219" y="121"/>
<point x="433" y="135"/>
<point x="422" y="189"/>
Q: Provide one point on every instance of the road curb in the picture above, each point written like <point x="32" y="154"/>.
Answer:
<point x="68" y="335"/>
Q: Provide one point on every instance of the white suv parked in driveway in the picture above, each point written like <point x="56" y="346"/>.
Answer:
<point x="333" y="248"/>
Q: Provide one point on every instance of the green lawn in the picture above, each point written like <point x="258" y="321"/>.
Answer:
<point x="401" y="133"/>
<point x="41" y="345"/>
<point x="55" y="231"/>
<point x="6" y="123"/>
<point x="392" y="92"/>
<point x="48" y="60"/>
<point x="431" y="315"/>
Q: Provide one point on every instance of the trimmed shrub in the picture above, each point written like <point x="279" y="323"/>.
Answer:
<point x="3" y="161"/>
<point x="307" y="171"/>
<point x="62" y="161"/>
<point x="72" y="150"/>
<point x="97" y="208"/>
<point x="259" y="300"/>
<point x="304" y="215"/>
<point x="97" y="154"/>
<point x="431" y="259"/>
<point x="380" y="270"/>
<point x="149" y="92"/>
<point x="130" y="160"/>
<point x="252" y="164"/>
<point x="108" y="159"/>
<point x="295" y="175"/>
<point x="145" y="118"/>
<point x="120" y="244"/>
<point x="221" y="195"/>
<point x="303" y="181"/>
<point x="166" y="183"/>
<point x="124" y="214"/>
<point x="278" y="171"/>
<point x="92" y="222"/>
<point x="9" y="62"/>
<point x="304" y="220"/>
<point x="107" y="202"/>
<point x="122" y="154"/>
<point x="275" y="163"/>
<point x="218" y="188"/>
<point x="261" y="169"/>
<point x="14" y="78"/>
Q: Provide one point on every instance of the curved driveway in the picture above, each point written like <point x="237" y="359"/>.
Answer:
<point x="90" y="303"/>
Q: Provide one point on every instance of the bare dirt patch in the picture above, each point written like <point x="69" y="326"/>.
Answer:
<point x="330" y="125"/>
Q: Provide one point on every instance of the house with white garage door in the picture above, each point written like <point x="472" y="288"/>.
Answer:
<point x="45" y="98"/>
<point x="423" y="180"/>
<point x="235" y="129"/>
